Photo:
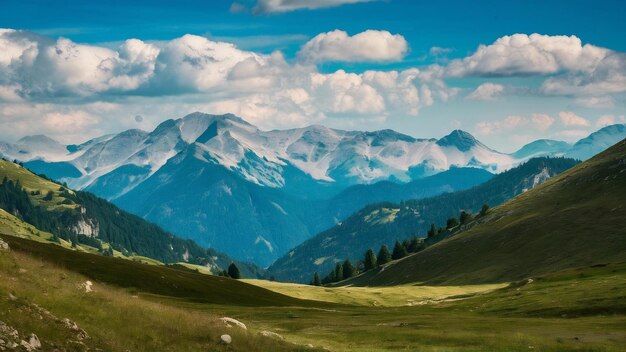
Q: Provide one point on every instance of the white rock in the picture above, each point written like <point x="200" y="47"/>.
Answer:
<point x="33" y="340"/>
<point x="271" y="335"/>
<point x="228" y="321"/>
<point x="4" y="246"/>
<point x="226" y="339"/>
<point x="87" y="286"/>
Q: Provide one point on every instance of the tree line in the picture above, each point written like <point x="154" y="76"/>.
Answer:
<point x="401" y="249"/>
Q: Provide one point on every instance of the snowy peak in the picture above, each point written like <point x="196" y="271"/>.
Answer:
<point x="460" y="139"/>
<point x="279" y="158"/>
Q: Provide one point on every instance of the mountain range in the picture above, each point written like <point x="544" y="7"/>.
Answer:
<point x="195" y="175"/>
<point x="384" y="223"/>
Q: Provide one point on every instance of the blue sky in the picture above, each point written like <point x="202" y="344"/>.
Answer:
<point x="428" y="36"/>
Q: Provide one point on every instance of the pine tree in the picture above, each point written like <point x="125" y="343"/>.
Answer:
<point x="338" y="272"/>
<point x="452" y="222"/>
<point x="316" y="280"/>
<point x="383" y="256"/>
<point x="348" y="269"/>
<point x="233" y="271"/>
<point x="484" y="209"/>
<point x="433" y="231"/>
<point x="398" y="251"/>
<point x="49" y="196"/>
<point x="465" y="217"/>
<point x="369" y="262"/>
<point x="414" y="245"/>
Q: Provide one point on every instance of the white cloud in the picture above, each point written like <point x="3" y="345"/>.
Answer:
<point x="278" y="6"/>
<point x="569" y="118"/>
<point x="571" y="134"/>
<point x="606" y="77"/>
<point x="486" y="91"/>
<point x="41" y="67"/>
<point x="164" y="79"/>
<point x="534" y="54"/>
<point x="595" y="102"/>
<point x="542" y="121"/>
<point x="490" y="127"/>
<point x="439" y="51"/>
<point x="370" y="45"/>
<point x="607" y="120"/>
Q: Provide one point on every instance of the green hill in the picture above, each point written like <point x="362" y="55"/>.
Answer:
<point x="384" y="223"/>
<point x="576" y="219"/>
<point x="86" y="222"/>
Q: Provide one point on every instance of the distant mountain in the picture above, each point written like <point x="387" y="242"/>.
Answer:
<point x="385" y="223"/>
<point x="291" y="174"/>
<point x="81" y="219"/>
<point x="574" y="220"/>
<point x="542" y="147"/>
<point x="597" y="142"/>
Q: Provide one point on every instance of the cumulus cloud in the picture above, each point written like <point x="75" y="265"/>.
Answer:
<point x="595" y="102"/>
<point x="534" y="54"/>
<point x="279" y="6"/>
<point x="606" y="120"/>
<point x="569" y="118"/>
<point x="606" y="77"/>
<point x="196" y="73"/>
<point x="370" y="45"/>
<point x="542" y="121"/>
<point x="486" y="91"/>
<point x="573" y="68"/>
<point x="37" y="66"/>
<point x="491" y="127"/>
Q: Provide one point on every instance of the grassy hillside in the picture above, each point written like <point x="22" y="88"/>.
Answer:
<point x="384" y="223"/>
<point x="136" y="307"/>
<point x="50" y="301"/>
<point x="576" y="219"/>
<point x="154" y="279"/>
<point x="86" y="221"/>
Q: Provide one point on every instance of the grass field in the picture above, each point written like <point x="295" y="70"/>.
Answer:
<point x="140" y="307"/>
<point x="396" y="296"/>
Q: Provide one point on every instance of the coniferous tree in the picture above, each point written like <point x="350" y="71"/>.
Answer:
<point x="384" y="256"/>
<point x="348" y="269"/>
<point x="484" y="209"/>
<point x="433" y="231"/>
<point x="233" y="271"/>
<point x="316" y="280"/>
<point x="465" y="217"/>
<point x="398" y="251"/>
<point x="452" y="222"/>
<point x="338" y="272"/>
<point x="49" y="196"/>
<point x="369" y="262"/>
<point x="414" y="245"/>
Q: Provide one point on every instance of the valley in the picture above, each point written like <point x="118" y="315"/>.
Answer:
<point x="562" y="301"/>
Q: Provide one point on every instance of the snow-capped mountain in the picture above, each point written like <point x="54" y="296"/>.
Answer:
<point x="251" y="193"/>
<point x="261" y="157"/>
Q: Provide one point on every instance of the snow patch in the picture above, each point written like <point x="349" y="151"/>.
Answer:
<point x="264" y="241"/>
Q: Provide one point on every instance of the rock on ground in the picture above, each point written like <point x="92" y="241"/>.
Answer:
<point x="226" y="339"/>
<point x="4" y="246"/>
<point x="271" y="335"/>
<point x="230" y="322"/>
